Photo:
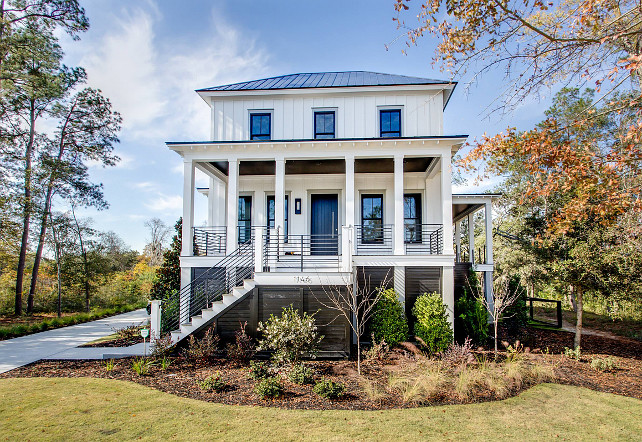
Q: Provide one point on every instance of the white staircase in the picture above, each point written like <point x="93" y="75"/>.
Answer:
<point x="217" y="308"/>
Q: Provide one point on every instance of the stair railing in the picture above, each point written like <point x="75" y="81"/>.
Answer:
<point x="209" y="286"/>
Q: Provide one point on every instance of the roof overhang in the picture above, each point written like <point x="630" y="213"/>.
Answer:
<point x="465" y="204"/>
<point x="447" y="88"/>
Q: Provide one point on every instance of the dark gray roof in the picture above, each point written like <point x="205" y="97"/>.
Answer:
<point x="325" y="79"/>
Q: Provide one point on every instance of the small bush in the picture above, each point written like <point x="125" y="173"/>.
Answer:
<point x="378" y="350"/>
<point x="269" y="387"/>
<point x="165" y="362"/>
<point x="201" y="350"/>
<point x="162" y="346"/>
<point x="459" y="355"/>
<point x="289" y="336"/>
<point x="606" y="364"/>
<point x="329" y="389"/>
<point x="471" y="320"/>
<point x="213" y="383"/>
<point x="573" y="353"/>
<point x="432" y="325"/>
<point x="109" y="365"/>
<point x="300" y="374"/>
<point x="259" y="370"/>
<point x="142" y="366"/>
<point x="388" y="321"/>
<point x="129" y="332"/>
<point x="243" y="348"/>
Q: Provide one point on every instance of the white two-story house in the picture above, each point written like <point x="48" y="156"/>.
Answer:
<point x="318" y="181"/>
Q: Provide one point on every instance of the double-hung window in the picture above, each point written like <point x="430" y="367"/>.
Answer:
<point x="260" y="126"/>
<point x="412" y="217"/>
<point x="390" y="123"/>
<point x="324" y="126"/>
<point x="372" y="218"/>
<point x="271" y="210"/>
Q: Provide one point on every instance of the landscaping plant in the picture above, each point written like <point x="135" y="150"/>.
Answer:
<point x="269" y="387"/>
<point x="573" y="353"/>
<point x="388" y="322"/>
<point x="259" y="370"/>
<point x="243" y="348"/>
<point x="300" y="374"/>
<point x="142" y="366"/>
<point x="213" y="383"/>
<point x="165" y="362"/>
<point x="432" y="326"/>
<point x="289" y="336"/>
<point x="109" y="365"/>
<point x="201" y="350"/>
<point x="377" y="350"/>
<point x="329" y="389"/>
<point x="606" y="364"/>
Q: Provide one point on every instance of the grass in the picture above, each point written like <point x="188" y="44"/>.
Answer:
<point x="20" y="329"/>
<point x="89" y="409"/>
<point x="628" y="328"/>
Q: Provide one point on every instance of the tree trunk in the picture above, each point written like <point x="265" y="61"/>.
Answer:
<point x="358" y="355"/>
<point x="495" y="327"/>
<point x="22" y="258"/>
<point x="38" y="258"/>
<point x="578" y="324"/>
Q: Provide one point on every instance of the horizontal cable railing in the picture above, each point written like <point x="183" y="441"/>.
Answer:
<point x="210" y="241"/>
<point x="208" y="287"/>
<point x="300" y="252"/>
<point x="424" y="239"/>
<point x="373" y="240"/>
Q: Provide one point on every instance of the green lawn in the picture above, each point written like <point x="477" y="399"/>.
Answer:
<point x="87" y="409"/>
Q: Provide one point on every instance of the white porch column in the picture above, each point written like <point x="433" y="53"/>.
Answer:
<point x="232" y="205"/>
<point x="448" y="293"/>
<point x="211" y="202"/>
<point x="188" y="208"/>
<point x="350" y="190"/>
<point x="398" y="225"/>
<point x="471" y="237"/>
<point x="279" y="196"/>
<point x="447" y="201"/>
<point x="155" y="321"/>
<point x="458" y="241"/>
<point x="489" y="232"/>
<point x="258" y="248"/>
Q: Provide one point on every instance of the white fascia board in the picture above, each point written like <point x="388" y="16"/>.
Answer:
<point x="414" y="260"/>
<point x="245" y="93"/>
<point x="474" y="199"/>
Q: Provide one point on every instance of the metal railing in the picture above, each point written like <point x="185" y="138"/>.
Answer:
<point x="210" y="241"/>
<point x="424" y="239"/>
<point x="300" y="252"/>
<point x="373" y="240"/>
<point x="208" y="287"/>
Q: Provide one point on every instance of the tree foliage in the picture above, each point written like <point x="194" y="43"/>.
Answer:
<point x="168" y="275"/>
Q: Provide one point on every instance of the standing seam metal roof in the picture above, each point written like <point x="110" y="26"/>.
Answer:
<point x="325" y="79"/>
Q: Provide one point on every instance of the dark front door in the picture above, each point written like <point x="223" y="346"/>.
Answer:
<point x="325" y="225"/>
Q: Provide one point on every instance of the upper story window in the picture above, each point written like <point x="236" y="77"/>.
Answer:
<point x="372" y="218"/>
<point x="324" y="125"/>
<point x="390" y="123"/>
<point x="260" y="126"/>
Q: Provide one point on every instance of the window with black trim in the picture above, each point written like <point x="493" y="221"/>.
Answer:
<point x="324" y="126"/>
<point x="271" y="210"/>
<point x="245" y="219"/>
<point x="372" y="218"/>
<point x="260" y="126"/>
<point x="412" y="217"/>
<point x="390" y="123"/>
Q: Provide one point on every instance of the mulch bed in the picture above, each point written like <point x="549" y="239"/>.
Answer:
<point x="181" y="377"/>
<point x="116" y="342"/>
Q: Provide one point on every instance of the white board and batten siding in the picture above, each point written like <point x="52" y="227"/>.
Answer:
<point x="357" y="116"/>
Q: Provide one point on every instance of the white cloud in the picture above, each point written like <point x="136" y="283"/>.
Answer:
<point x="151" y="82"/>
<point x="165" y="203"/>
<point x="126" y="162"/>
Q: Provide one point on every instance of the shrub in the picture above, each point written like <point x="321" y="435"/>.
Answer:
<point x="213" y="383"/>
<point x="109" y="365"/>
<point x="165" y="362"/>
<point x="300" y="374"/>
<point x="289" y="336"/>
<point x="329" y="389"/>
<point x="606" y="364"/>
<point x="516" y="315"/>
<point x="269" y="387"/>
<point x="388" y="321"/>
<point x="471" y="320"/>
<point x="129" y="332"/>
<point x="142" y="366"/>
<point x="162" y="346"/>
<point x="259" y="370"/>
<point x="432" y="325"/>
<point x="377" y="351"/>
<point x="202" y="349"/>
<point x="573" y="353"/>
<point x="459" y="355"/>
<point x="243" y="348"/>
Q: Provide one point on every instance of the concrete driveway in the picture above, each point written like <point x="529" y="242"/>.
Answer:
<point x="17" y="352"/>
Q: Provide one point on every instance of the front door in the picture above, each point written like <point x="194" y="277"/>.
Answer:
<point x="324" y="225"/>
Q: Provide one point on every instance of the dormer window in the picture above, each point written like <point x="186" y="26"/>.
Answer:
<point x="260" y="126"/>
<point x="324" y="125"/>
<point x="390" y="123"/>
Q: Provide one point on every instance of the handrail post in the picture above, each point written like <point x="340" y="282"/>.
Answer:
<point x="258" y="249"/>
<point x="559" y="314"/>
<point x="346" y="248"/>
<point x="302" y="238"/>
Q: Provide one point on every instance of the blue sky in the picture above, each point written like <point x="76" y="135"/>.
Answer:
<point x="148" y="57"/>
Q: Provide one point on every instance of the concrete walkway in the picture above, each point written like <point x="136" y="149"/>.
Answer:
<point x="61" y="342"/>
